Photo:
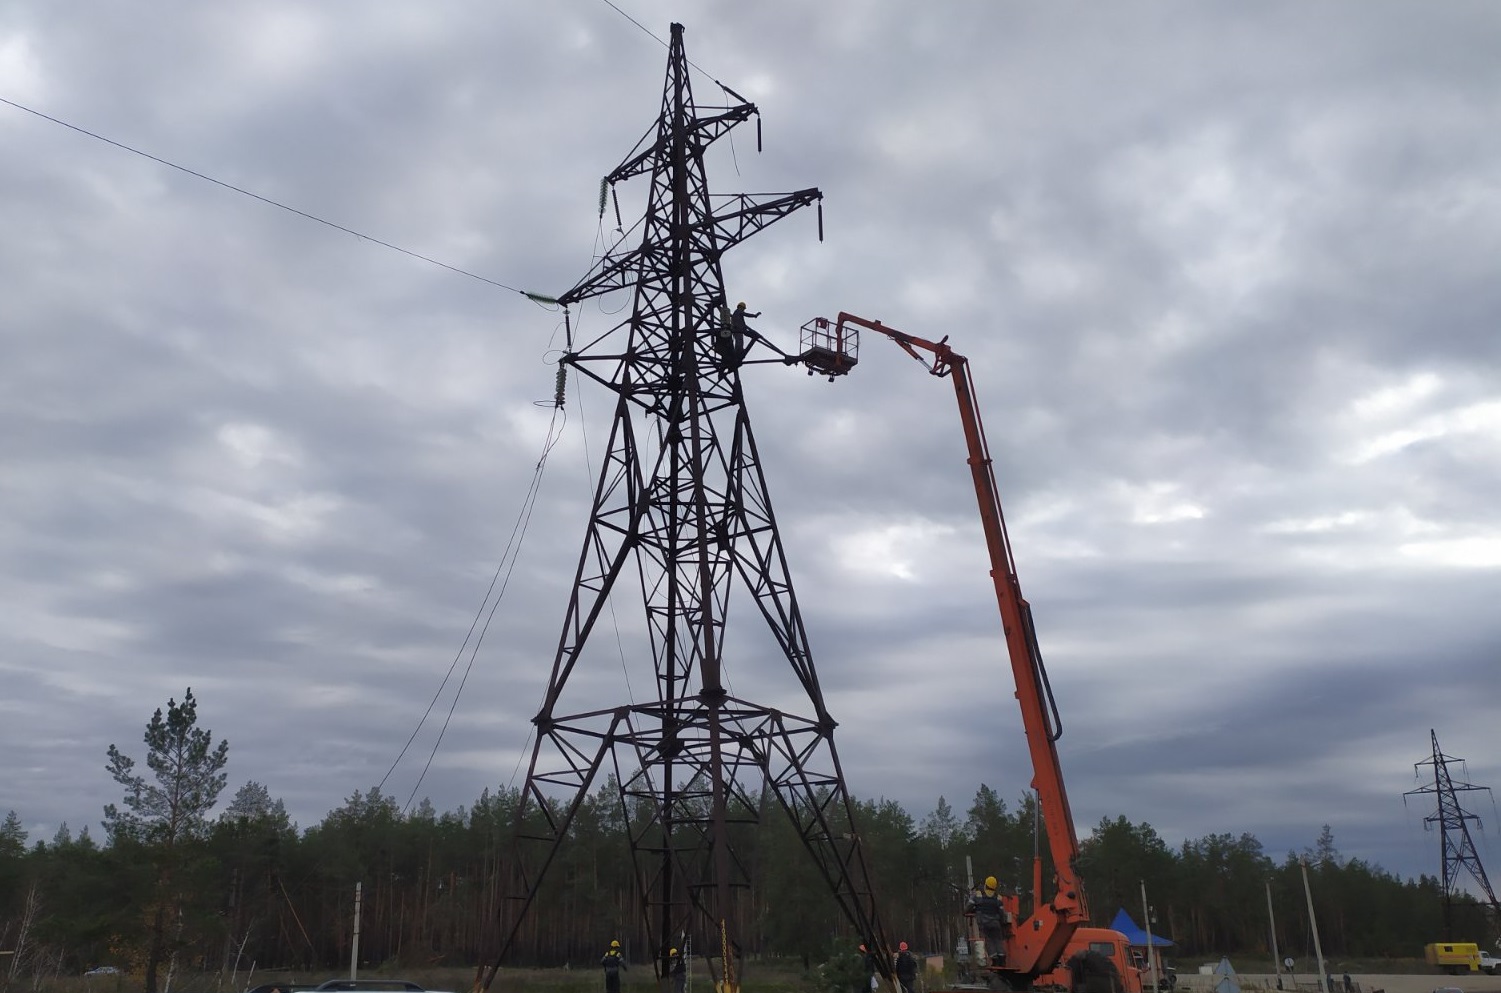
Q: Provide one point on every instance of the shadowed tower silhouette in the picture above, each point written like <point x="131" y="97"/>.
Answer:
<point x="681" y="517"/>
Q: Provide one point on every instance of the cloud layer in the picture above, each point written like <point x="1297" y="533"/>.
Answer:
<point x="1225" y="275"/>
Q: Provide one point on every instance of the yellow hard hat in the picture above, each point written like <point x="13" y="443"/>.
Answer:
<point x="614" y="944"/>
<point x="990" y="882"/>
<point x="672" y="951"/>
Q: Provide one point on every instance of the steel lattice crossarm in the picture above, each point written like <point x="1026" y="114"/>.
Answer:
<point x="717" y="233"/>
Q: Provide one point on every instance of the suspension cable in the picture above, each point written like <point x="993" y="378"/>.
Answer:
<point x="492" y="598"/>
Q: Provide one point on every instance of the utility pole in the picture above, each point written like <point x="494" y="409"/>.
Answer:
<point x="354" y="948"/>
<point x="1270" y="916"/>
<point x="1313" y="922"/>
<point x="681" y="516"/>
<point x="1146" y="917"/>
<point x="1456" y="848"/>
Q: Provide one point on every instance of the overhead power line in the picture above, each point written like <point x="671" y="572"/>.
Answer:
<point x="638" y="24"/>
<point x="659" y="40"/>
<point x="267" y="200"/>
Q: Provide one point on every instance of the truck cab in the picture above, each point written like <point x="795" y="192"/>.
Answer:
<point x="1112" y="945"/>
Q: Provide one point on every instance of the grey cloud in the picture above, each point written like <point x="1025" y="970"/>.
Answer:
<point x="1184" y="248"/>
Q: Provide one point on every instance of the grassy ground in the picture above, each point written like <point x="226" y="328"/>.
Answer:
<point x="766" y="976"/>
<point x="1306" y="968"/>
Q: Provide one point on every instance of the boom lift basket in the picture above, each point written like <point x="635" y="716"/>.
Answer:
<point x="828" y="348"/>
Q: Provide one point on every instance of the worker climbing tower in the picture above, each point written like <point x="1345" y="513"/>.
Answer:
<point x="682" y="516"/>
<point x="1456" y="848"/>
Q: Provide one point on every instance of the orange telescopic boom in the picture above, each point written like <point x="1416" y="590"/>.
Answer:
<point x="1036" y="945"/>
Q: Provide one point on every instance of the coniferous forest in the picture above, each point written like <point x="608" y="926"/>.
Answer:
<point x="179" y="880"/>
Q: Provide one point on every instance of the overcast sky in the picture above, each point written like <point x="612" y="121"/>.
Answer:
<point x="1226" y="274"/>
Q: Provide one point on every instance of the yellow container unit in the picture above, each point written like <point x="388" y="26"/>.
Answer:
<point x="1453" y="957"/>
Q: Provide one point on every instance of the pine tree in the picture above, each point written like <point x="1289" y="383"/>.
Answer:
<point x="168" y="813"/>
<point x="12" y="837"/>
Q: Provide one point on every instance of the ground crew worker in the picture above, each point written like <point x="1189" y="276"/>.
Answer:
<point x="906" y="969"/>
<point x="867" y="980"/>
<point x="990" y="917"/>
<point x="612" y="963"/>
<point x="677" y="968"/>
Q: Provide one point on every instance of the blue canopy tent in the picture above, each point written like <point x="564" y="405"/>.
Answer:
<point x="1167" y="977"/>
<point x="1135" y="936"/>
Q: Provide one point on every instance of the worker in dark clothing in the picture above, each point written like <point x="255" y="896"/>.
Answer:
<point x="724" y="334"/>
<point x="906" y="969"/>
<point x="729" y="337"/>
<point x="677" y="968"/>
<point x="737" y="319"/>
<point x="990" y="918"/>
<point x="739" y="330"/>
<point x="613" y="962"/>
<point x="867" y="980"/>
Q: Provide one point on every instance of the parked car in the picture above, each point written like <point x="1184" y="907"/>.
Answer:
<point x="103" y="970"/>
<point x="372" y="986"/>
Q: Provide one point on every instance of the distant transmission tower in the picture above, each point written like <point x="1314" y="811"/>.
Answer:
<point x="1456" y="848"/>
<point x="681" y="515"/>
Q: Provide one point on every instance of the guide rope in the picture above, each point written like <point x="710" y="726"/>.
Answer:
<point x="501" y="578"/>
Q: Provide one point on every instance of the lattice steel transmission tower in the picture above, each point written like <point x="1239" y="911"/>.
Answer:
<point x="1456" y="848"/>
<point x="682" y="515"/>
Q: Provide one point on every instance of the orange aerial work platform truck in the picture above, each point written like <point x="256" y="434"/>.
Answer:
<point x="1053" y="945"/>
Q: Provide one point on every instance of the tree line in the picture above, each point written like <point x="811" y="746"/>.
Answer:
<point x="172" y="885"/>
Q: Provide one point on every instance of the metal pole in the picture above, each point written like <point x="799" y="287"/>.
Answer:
<point x="354" y="948"/>
<point x="972" y="935"/>
<point x="1146" y="916"/>
<point x="1276" y="956"/>
<point x="1313" y="921"/>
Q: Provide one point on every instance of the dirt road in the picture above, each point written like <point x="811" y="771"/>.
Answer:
<point x="1408" y="983"/>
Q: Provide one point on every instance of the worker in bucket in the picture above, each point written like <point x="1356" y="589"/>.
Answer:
<point x="990" y="918"/>
<point x="613" y="962"/>
<point x="906" y="969"/>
